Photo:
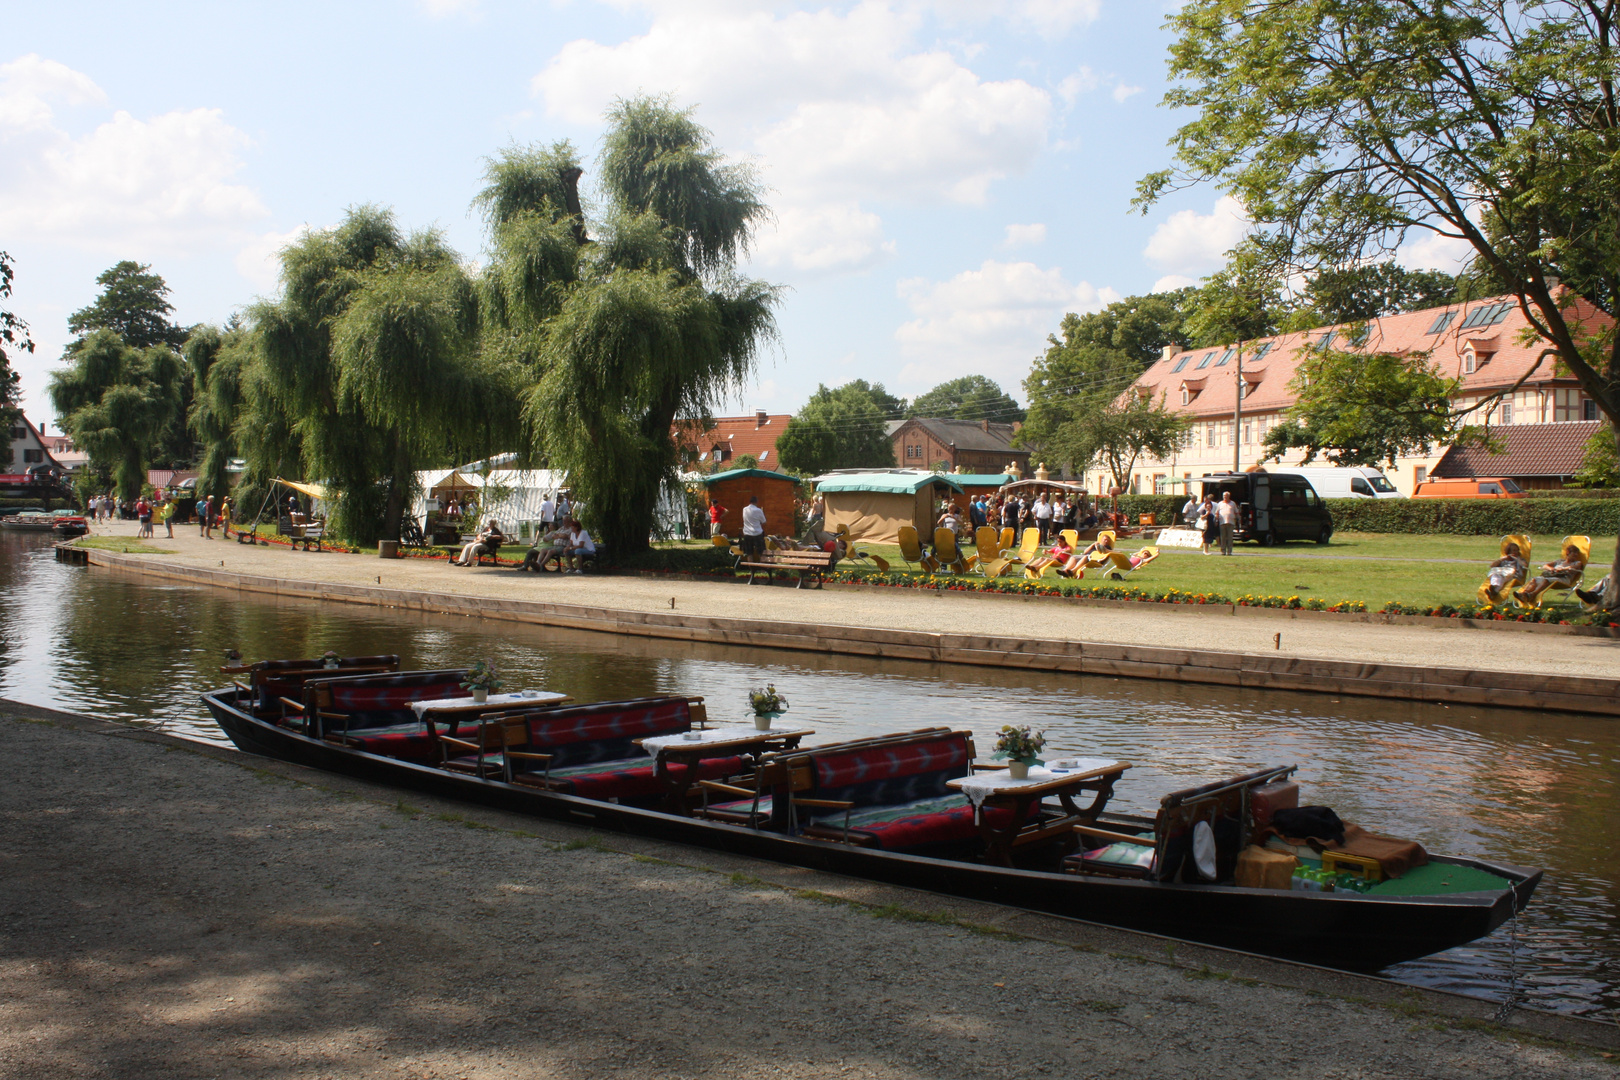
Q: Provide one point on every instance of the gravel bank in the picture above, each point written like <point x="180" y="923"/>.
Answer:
<point x="177" y="911"/>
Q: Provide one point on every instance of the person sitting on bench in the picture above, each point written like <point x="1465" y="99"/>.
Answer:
<point x="487" y="542"/>
<point x="546" y="548"/>
<point x="580" y="547"/>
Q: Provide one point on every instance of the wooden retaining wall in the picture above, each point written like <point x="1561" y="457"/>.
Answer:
<point x="1261" y="671"/>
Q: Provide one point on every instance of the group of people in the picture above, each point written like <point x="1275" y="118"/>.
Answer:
<point x="1564" y="572"/>
<point x="1048" y="513"/>
<point x="1215" y="521"/>
<point x="159" y="508"/>
<point x="562" y="540"/>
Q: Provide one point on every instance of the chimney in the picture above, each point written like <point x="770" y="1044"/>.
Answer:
<point x="1168" y="351"/>
<point x="986" y="425"/>
<point x="761" y="418"/>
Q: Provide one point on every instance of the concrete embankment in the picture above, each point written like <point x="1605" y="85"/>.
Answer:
<point x="1411" y="662"/>
<point x="177" y="910"/>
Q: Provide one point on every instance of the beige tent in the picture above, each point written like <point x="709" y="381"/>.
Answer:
<point x="875" y="505"/>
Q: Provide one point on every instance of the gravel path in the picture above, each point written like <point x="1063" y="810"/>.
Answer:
<point x="176" y="912"/>
<point x="1163" y="625"/>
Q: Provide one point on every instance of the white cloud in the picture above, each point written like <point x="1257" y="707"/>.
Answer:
<point x="1435" y="252"/>
<point x="1190" y="242"/>
<point x="158" y="185"/>
<point x="1172" y="282"/>
<point x="1048" y="18"/>
<point x="842" y="107"/>
<point x="1081" y="82"/>
<point x="1024" y="236"/>
<point x="990" y="321"/>
<point x="1121" y="92"/>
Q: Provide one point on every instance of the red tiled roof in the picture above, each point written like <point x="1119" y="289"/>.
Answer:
<point x="1270" y="375"/>
<point x="1527" y="450"/>
<point x="754" y="434"/>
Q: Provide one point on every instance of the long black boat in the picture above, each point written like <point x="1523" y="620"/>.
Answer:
<point x="1337" y="929"/>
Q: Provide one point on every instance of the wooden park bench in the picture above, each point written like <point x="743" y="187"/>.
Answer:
<point x="807" y="564"/>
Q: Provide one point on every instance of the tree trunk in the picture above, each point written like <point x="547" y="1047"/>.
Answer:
<point x="1611" y="595"/>
<point x="398" y="484"/>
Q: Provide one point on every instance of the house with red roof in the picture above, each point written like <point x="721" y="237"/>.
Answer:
<point x="1484" y="343"/>
<point x="729" y="438"/>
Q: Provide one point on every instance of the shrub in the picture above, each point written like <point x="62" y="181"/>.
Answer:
<point x="1477" y="517"/>
<point x="679" y="560"/>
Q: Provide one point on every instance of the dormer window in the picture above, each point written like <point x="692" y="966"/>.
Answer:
<point x="1186" y="396"/>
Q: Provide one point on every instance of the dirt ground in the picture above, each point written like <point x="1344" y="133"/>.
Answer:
<point x="171" y="911"/>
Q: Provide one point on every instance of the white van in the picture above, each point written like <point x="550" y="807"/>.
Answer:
<point x="1348" y="483"/>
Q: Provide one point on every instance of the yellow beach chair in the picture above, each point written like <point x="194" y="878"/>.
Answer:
<point x="990" y="562"/>
<point x="1499" y="595"/>
<point x="1007" y="538"/>
<point x="1071" y="537"/>
<point x="1028" y="547"/>
<point x="1100" y="558"/>
<point x="911" y="550"/>
<point x="946" y="554"/>
<point x="1121" y="566"/>
<point x="1559" y="582"/>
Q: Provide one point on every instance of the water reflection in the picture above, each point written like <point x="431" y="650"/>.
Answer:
<point x="1511" y="785"/>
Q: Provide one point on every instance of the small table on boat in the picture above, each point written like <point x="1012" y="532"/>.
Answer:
<point x="999" y="790"/>
<point x="713" y="742"/>
<point x="456" y="709"/>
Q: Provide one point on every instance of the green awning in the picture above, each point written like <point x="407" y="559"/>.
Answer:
<point x="735" y="473"/>
<point x="995" y="480"/>
<point x="893" y="483"/>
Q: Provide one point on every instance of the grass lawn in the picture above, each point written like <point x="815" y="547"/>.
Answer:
<point x="1373" y="568"/>
<point x="121" y="544"/>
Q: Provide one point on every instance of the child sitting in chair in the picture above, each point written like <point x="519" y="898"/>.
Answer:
<point x="1502" y="574"/>
<point x="1565" y="572"/>
<point x="1059" y="555"/>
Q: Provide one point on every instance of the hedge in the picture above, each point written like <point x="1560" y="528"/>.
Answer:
<point x="1477" y="517"/>
<point x="1574" y="493"/>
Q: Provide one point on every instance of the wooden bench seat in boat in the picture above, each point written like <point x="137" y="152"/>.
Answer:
<point x="271" y="680"/>
<point x="1163" y="853"/>
<point x="373" y="712"/>
<point x="887" y="793"/>
<point x="586" y="750"/>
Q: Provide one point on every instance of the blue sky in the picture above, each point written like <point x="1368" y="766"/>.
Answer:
<point x="947" y="178"/>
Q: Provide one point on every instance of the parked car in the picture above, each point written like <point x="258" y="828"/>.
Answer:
<point x="1478" y="487"/>
<point x="1273" y="507"/>
<point x="1349" y="482"/>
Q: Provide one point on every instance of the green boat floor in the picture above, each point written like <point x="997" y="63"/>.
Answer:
<point x="1435" y="879"/>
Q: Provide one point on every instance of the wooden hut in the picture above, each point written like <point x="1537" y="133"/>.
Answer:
<point x="874" y="505"/>
<point x="777" y="494"/>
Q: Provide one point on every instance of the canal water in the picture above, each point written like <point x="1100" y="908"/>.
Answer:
<point x="1511" y="785"/>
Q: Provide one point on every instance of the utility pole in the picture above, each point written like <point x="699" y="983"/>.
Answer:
<point x="1237" y="415"/>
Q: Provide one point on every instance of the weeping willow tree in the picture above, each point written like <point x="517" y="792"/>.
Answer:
<point x="647" y="322"/>
<point x="218" y="359"/>
<point x="367" y="369"/>
<point x="117" y="402"/>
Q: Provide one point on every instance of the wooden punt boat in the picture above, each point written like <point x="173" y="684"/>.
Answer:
<point x="1342" y="930"/>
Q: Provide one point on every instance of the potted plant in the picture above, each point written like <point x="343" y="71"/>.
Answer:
<point x="767" y="705"/>
<point x="329" y="660"/>
<point x="1020" y="749"/>
<point x="481" y="679"/>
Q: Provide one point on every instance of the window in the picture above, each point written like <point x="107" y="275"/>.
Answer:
<point x="1589" y="410"/>
<point x="1327" y="341"/>
<point x="1488" y="315"/>
<point x="1358" y="337"/>
<point x="1507" y="413"/>
<point x="1181" y="363"/>
<point x="33" y="456"/>
<point x="1262" y="350"/>
<point x="1209" y="434"/>
<point x="1225" y="356"/>
<point x="1511" y="488"/>
<point x="1490" y="489"/>
<point x="763" y="454"/>
<point x="1420" y="474"/>
<point x="1468" y="361"/>
<point x="1248" y="433"/>
<point x="1442" y="321"/>
<point x="1359" y="486"/>
<point x="1566" y="405"/>
<point x="1204" y="363"/>
<point x="1186" y="397"/>
<point x="1380" y="483"/>
<point x="19" y="433"/>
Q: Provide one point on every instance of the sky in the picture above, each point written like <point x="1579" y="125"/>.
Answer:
<point x="946" y="178"/>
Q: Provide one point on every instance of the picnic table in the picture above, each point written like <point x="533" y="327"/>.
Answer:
<point x="996" y="788"/>
<point x="690" y="747"/>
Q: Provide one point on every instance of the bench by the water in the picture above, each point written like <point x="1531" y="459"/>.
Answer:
<point x="807" y="564"/>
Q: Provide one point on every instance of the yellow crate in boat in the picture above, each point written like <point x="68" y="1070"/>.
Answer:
<point x="1338" y="862"/>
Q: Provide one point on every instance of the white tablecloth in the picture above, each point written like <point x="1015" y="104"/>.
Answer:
<point x="659" y="743"/>
<point x="522" y="699"/>
<point x="981" y="785"/>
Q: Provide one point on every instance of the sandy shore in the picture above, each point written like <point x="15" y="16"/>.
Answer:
<point x="1158" y="626"/>
<point x="177" y="911"/>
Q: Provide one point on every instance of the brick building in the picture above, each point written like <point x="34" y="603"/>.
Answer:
<point x="975" y="446"/>
<point x="729" y="438"/>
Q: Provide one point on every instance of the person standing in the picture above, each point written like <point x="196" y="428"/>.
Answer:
<point x="817" y="516"/>
<point x="225" y="517"/>
<point x="1227" y="513"/>
<point x="143" y="513"/>
<point x="209" y="512"/>
<point x="1042" y="510"/>
<point x="548" y="514"/>
<point x="753" y="529"/>
<point x="202" y="515"/>
<point x="1209" y="526"/>
<point x="716" y="514"/>
<point x="1189" y="512"/>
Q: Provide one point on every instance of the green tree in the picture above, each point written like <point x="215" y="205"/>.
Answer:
<point x="745" y="461"/>
<point x="1600" y="466"/>
<point x="1349" y="128"/>
<point x="134" y="304"/>
<point x="649" y="322"/>
<point x="13" y="335"/>
<point x="1359" y="409"/>
<point x="1362" y="293"/>
<point x="117" y="401"/>
<point x="218" y="360"/>
<point x="1116" y="435"/>
<point x="841" y="428"/>
<point x="972" y="397"/>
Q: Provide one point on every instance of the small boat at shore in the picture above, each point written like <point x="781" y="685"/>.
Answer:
<point x="57" y="521"/>
<point x="822" y="807"/>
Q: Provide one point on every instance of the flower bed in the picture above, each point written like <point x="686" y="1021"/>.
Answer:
<point x="1492" y="613"/>
<point x="281" y="541"/>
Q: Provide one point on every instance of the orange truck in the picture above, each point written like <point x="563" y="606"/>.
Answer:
<point x="1478" y="487"/>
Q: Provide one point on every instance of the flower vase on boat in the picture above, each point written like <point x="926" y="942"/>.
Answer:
<point x="767" y="705"/>
<point x="1019" y="749"/>
<point x="481" y="679"/>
